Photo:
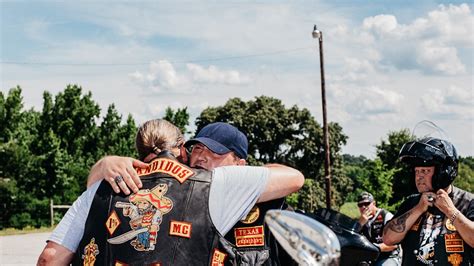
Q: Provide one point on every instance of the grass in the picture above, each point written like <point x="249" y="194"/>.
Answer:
<point x="27" y="230"/>
<point x="350" y="209"/>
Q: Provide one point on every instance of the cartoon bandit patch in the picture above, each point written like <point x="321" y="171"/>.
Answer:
<point x="90" y="252"/>
<point x="145" y="209"/>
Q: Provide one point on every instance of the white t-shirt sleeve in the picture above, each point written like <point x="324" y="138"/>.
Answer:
<point x="70" y="229"/>
<point x="233" y="193"/>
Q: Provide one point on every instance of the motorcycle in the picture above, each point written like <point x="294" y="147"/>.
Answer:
<point x="325" y="237"/>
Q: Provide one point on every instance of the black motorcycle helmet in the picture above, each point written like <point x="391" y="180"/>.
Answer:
<point x="433" y="152"/>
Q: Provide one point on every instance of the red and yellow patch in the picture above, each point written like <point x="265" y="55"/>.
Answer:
<point x="173" y="168"/>
<point x="218" y="258"/>
<point x="182" y="229"/>
<point x="119" y="263"/>
<point x="112" y="222"/>
<point x="455" y="259"/>
<point x="249" y="236"/>
<point x="453" y="243"/>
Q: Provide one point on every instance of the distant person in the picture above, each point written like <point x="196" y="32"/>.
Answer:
<point x="436" y="226"/>
<point x="371" y="223"/>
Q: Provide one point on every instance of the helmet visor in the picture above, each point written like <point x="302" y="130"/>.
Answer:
<point x="421" y="153"/>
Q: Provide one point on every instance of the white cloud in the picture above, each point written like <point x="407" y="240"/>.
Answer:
<point x="440" y="58"/>
<point x="355" y="70"/>
<point x="381" y="24"/>
<point x="215" y="76"/>
<point x="366" y="102"/>
<point x="163" y="77"/>
<point x="428" y="43"/>
<point x="453" y="103"/>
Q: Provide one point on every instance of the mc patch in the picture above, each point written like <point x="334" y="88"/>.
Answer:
<point x="145" y="209"/>
<point x="249" y="236"/>
<point x="182" y="229"/>
<point x="218" y="257"/>
<point x="112" y="222"/>
<point x="252" y="216"/>
<point x="91" y="250"/>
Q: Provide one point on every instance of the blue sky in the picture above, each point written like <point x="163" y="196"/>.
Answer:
<point x="389" y="64"/>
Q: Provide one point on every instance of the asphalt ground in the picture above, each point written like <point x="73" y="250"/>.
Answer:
<point x="22" y="249"/>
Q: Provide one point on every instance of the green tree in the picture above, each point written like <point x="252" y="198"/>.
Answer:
<point x="18" y="130"/>
<point x="179" y="118"/>
<point x="387" y="151"/>
<point x="285" y="135"/>
<point x="465" y="178"/>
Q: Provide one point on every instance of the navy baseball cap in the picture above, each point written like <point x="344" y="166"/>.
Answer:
<point x="222" y="138"/>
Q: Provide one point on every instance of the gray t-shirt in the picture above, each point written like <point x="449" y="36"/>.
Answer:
<point x="234" y="191"/>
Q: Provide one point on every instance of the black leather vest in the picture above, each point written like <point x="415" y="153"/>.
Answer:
<point x="434" y="239"/>
<point x="374" y="234"/>
<point x="250" y="242"/>
<point x="166" y="223"/>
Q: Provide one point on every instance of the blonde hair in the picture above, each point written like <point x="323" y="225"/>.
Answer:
<point x="157" y="135"/>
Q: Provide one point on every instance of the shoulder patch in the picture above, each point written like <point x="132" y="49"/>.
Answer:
<point x="182" y="229"/>
<point x="175" y="169"/>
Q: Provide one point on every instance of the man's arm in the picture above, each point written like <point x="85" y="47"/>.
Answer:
<point x="463" y="225"/>
<point x="282" y="181"/>
<point x="65" y="238"/>
<point x="397" y="228"/>
<point x="386" y="248"/>
<point x="55" y="254"/>
<point x="111" y="166"/>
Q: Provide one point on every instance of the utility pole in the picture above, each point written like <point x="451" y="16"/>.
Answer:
<point x="317" y="34"/>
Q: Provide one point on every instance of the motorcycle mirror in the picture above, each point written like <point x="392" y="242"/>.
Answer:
<point x="306" y="240"/>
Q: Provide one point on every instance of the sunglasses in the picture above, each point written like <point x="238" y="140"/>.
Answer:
<point x="363" y="204"/>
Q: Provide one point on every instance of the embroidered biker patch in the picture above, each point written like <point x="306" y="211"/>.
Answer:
<point x="145" y="209"/>
<point x="455" y="259"/>
<point x="453" y="243"/>
<point x="249" y="236"/>
<point x="182" y="229"/>
<point x="90" y="252"/>
<point x="112" y="222"/>
<point x="252" y="216"/>
<point x="218" y="257"/>
<point x="173" y="168"/>
<point x="450" y="226"/>
<point x="119" y="263"/>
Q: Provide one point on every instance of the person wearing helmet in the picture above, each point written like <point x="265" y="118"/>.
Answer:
<point x="435" y="226"/>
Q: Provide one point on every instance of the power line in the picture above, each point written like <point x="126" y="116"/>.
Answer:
<point x="146" y="63"/>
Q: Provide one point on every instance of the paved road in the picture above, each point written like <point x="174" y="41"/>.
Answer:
<point x="21" y="249"/>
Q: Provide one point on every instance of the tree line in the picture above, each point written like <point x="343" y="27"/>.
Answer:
<point x="47" y="154"/>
